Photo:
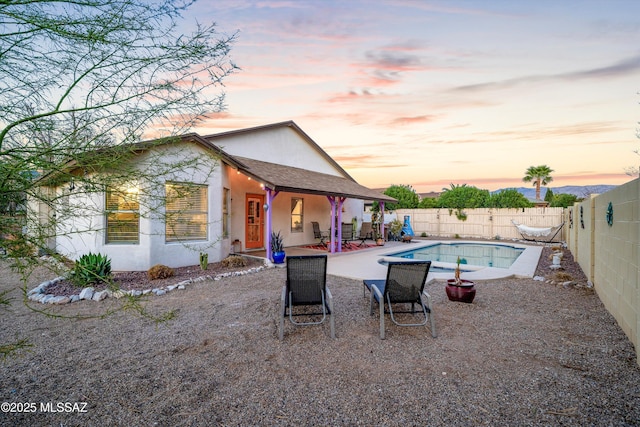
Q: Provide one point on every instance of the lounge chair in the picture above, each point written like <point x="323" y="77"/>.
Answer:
<point x="366" y="233"/>
<point x="306" y="286"/>
<point x="404" y="285"/>
<point x="318" y="234"/>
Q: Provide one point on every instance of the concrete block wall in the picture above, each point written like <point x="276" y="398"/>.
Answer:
<point x="482" y="223"/>
<point x="610" y="254"/>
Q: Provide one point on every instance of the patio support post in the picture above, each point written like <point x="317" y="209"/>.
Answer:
<point x="382" y="219"/>
<point x="332" y="240"/>
<point x="270" y="196"/>
<point x="339" y="221"/>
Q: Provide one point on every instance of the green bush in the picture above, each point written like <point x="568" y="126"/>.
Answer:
<point x="91" y="268"/>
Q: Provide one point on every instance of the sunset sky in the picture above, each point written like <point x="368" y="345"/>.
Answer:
<point x="430" y="93"/>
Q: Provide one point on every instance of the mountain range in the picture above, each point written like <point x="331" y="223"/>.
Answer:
<point x="580" y="191"/>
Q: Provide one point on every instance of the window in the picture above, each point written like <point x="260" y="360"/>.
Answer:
<point x="123" y="216"/>
<point x="226" y="212"/>
<point x="186" y="212"/>
<point x="296" y="215"/>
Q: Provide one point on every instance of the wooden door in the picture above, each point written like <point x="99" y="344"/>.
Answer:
<point x="254" y="234"/>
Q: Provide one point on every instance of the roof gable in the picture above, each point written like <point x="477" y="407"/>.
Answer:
<point x="282" y="143"/>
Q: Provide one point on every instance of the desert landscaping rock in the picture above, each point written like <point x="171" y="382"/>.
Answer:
<point x="86" y="294"/>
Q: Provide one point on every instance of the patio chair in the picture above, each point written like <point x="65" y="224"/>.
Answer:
<point x="404" y="285"/>
<point x="306" y="287"/>
<point x="366" y="233"/>
<point x="318" y="234"/>
<point x="347" y="233"/>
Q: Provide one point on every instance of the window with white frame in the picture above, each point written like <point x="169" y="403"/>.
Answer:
<point x="185" y="212"/>
<point x="226" y="211"/>
<point x="296" y="215"/>
<point x="123" y="216"/>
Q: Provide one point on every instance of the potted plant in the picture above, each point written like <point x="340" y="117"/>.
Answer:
<point x="459" y="289"/>
<point x="277" y="247"/>
<point x="395" y="229"/>
<point x="375" y="220"/>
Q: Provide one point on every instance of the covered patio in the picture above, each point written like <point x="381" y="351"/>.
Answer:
<point x="276" y="179"/>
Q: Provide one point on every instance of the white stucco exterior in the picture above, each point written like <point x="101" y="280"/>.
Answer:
<point x="281" y="145"/>
<point x="85" y="230"/>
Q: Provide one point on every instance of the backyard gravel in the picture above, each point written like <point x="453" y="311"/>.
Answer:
<point x="525" y="353"/>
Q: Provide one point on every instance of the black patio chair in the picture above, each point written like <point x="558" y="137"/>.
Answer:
<point x="404" y="285"/>
<point x="366" y="233"/>
<point x="347" y="233"/>
<point x="318" y="234"/>
<point x="306" y="287"/>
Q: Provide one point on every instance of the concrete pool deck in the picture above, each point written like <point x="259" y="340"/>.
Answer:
<point x="364" y="264"/>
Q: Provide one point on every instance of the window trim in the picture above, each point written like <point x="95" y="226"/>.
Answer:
<point x="226" y="212"/>
<point x="109" y="212"/>
<point x="300" y="215"/>
<point x="186" y="212"/>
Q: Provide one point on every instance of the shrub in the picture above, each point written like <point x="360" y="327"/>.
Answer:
<point x="91" y="268"/>
<point x="424" y="234"/>
<point x="234" y="261"/>
<point x="159" y="271"/>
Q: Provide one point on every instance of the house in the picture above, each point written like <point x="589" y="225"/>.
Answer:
<point x="272" y="177"/>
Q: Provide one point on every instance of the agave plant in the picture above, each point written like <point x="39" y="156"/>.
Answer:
<point x="91" y="268"/>
<point x="277" y="242"/>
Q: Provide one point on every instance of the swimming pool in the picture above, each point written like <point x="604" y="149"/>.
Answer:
<point x="477" y="254"/>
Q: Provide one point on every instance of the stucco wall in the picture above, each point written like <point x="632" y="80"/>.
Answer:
<point x="610" y="254"/>
<point x="84" y="230"/>
<point x="280" y="145"/>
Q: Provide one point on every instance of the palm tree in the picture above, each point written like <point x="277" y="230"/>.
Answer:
<point x="540" y="175"/>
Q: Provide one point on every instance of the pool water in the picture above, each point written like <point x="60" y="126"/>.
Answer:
<point x="480" y="254"/>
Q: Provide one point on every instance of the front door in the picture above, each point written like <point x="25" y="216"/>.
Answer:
<point x="255" y="221"/>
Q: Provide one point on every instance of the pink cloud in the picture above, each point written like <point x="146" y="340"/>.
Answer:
<point x="403" y="121"/>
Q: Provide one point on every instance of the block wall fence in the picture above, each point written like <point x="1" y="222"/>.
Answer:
<point x="485" y="223"/>
<point x="604" y="237"/>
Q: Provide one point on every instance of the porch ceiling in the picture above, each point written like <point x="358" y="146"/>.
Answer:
<point x="295" y="180"/>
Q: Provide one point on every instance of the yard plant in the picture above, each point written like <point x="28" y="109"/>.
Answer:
<point x="91" y="268"/>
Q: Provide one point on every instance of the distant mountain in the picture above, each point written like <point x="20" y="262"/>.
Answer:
<point x="581" y="191"/>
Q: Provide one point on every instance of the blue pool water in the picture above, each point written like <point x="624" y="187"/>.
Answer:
<point x="480" y="254"/>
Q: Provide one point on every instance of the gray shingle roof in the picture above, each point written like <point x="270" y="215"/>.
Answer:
<point x="297" y="180"/>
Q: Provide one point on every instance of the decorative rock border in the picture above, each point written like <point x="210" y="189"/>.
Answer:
<point x="39" y="293"/>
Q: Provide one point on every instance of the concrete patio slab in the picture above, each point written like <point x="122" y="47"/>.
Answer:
<point x="365" y="263"/>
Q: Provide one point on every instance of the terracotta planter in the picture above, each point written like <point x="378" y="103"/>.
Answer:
<point x="463" y="292"/>
<point x="380" y="242"/>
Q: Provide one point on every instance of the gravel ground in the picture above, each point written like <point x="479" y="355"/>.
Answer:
<point x="524" y="353"/>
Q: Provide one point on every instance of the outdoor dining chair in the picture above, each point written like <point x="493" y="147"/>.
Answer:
<point x="347" y="234"/>
<point x="403" y="286"/>
<point x="318" y="234"/>
<point x="305" y="289"/>
<point x="366" y="233"/>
